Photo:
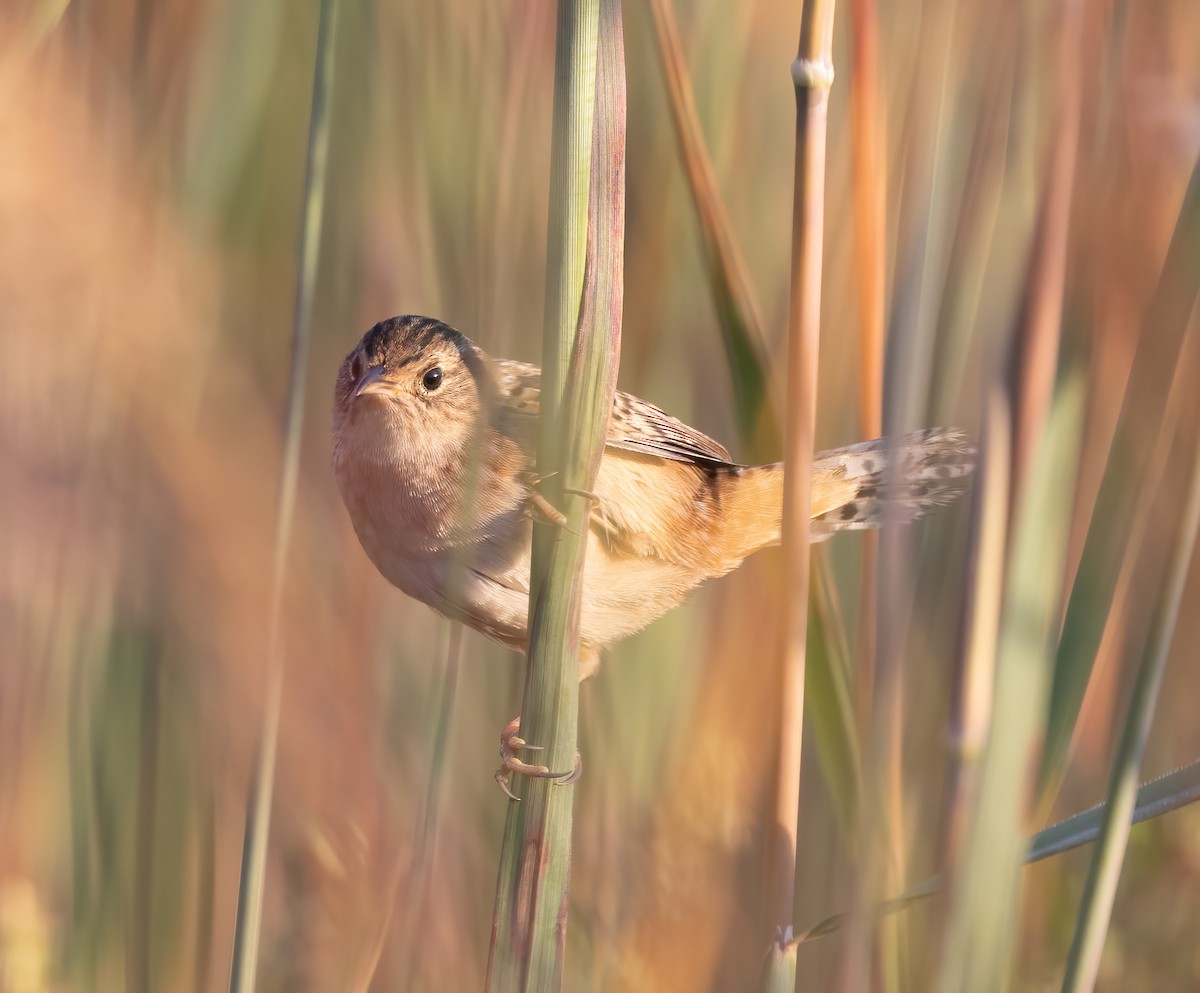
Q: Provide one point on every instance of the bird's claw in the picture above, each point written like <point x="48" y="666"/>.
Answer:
<point x="588" y="495"/>
<point x="510" y="744"/>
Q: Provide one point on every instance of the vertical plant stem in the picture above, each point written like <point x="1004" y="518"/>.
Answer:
<point x="419" y="874"/>
<point x="980" y="939"/>
<point x="975" y="676"/>
<point x="867" y="128"/>
<point x="741" y="325"/>
<point x="827" y="669"/>
<point x="1083" y="960"/>
<point x="581" y="347"/>
<point x="866" y="124"/>
<point x="869" y="189"/>
<point x="1040" y="322"/>
<point x="812" y="73"/>
<point x="535" y="852"/>
<point x="1141" y="415"/>
<point x="779" y="969"/>
<point x="142" y="933"/>
<point x="258" y="809"/>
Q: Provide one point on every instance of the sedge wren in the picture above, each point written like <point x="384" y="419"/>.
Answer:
<point x="433" y="451"/>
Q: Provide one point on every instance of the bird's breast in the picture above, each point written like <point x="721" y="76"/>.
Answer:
<point x="467" y="558"/>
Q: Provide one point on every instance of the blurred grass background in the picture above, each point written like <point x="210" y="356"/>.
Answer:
<point x="150" y="186"/>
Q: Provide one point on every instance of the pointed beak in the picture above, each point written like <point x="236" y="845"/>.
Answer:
<point x="372" y="381"/>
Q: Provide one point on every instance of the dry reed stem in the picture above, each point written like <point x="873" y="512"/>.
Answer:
<point x="868" y="132"/>
<point x="869" y="139"/>
<point x="812" y="73"/>
<point x="867" y="117"/>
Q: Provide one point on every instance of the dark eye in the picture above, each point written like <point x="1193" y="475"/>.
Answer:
<point x="355" y="367"/>
<point x="432" y="379"/>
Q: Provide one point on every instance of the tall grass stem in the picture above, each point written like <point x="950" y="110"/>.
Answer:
<point x="248" y="925"/>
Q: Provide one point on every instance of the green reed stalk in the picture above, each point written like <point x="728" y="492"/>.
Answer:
<point x="982" y="917"/>
<point x="581" y="345"/>
<point x="258" y="809"/>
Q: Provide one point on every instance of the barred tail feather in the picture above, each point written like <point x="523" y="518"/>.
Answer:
<point x="889" y="480"/>
<point x="853" y="488"/>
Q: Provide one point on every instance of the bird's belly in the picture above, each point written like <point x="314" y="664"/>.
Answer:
<point x="622" y="594"/>
<point x="483" y="583"/>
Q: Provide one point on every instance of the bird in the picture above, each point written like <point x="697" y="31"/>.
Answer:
<point x="434" y="445"/>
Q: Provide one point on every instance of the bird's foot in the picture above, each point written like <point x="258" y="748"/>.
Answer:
<point x="539" y="504"/>
<point x="510" y="743"/>
<point x="547" y="509"/>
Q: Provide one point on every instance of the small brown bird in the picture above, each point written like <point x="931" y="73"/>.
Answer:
<point x="434" y="453"/>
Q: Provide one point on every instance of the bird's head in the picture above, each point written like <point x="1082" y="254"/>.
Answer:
<point x="412" y="389"/>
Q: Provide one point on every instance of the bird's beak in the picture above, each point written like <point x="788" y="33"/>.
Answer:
<point x="372" y="381"/>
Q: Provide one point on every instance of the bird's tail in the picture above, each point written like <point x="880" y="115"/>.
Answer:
<point x="865" y="485"/>
<point x="889" y="480"/>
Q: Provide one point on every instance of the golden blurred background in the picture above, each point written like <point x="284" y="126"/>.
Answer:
<point x="151" y="173"/>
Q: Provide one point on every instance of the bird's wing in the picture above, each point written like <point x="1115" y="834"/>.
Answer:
<point x="635" y="426"/>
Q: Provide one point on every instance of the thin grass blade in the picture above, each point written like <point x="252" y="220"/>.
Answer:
<point x="1164" y="795"/>
<point x="248" y="927"/>
<point x="1083" y="960"/>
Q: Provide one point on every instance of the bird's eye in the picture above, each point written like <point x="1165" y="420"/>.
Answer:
<point x="432" y="379"/>
<point x="355" y="367"/>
